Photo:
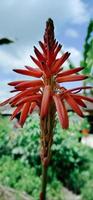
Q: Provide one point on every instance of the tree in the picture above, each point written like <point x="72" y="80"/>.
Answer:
<point x="87" y="61"/>
<point x="5" y="41"/>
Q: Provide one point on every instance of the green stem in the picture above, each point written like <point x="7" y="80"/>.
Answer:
<point x="44" y="183"/>
<point x="47" y="125"/>
<point x="84" y="91"/>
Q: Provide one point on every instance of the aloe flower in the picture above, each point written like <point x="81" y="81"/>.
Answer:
<point x="47" y="93"/>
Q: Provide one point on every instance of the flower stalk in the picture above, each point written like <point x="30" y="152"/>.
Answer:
<point x="47" y="126"/>
<point x="44" y="183"/>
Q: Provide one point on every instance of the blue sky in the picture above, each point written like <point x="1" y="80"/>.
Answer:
<point x="24" y="22"/>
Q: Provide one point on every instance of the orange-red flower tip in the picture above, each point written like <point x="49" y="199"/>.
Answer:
<point x="29" y="72"/>
<point x="62" y="112"/>
<point x="14" y="83"/>
<point x="24" y="113"/>
<point x="70" y="72"/>
<point x="42" y="47"/>
<point x="5" y="102"/>
<point x="16" y="112"/>
<point x="39" y="55"/>
<point x="32" y="107"/>
<point x="28" y="84"/>
<point x="71" y="78"/>
<point x="59" y="62"/>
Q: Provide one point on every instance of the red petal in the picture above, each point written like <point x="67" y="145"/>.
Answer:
<point x="27" y="84"/>
<point x="46" y="69"/>
<point x="24" y="113"/>
<point x="58" y="48"/>
<point x="71" y="78"/>
<point x="41" y="65"/>
<point x="42" y="46"/>
<point x="33" y="105"/>
<point x="24" y="94"/>
<point x="60" y="61"/>
<point x="37" y="62"/>
<point x="77" y="89"/>
<point x="16" y="111"/>
<point x="55" y="45"/>
<point x="34" y="70"/>
<point x="62" y="112"/>
<point x="14" y="83"/>
<point x="79" y="101"/>
<point x="73" y="104"/>
<point x="5" y="102"/>
<point x="28" y="73"/>
<point x="52" y="56"/>
<point x="30" y="99"/>
<point x="39" y="55"/>
<point x="71" y="71"/>
<point x="14" y="91"/>
<point x="85" y="98"/>
<point x="45" y="101"/>
<point x="14" y="102"/>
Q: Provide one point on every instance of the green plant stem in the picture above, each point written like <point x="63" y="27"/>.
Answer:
<point x="44" y="183"/>
<point x="84" y="84"/>
<point x="47" y="125"/>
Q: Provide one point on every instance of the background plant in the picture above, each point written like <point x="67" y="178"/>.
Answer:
<point x="87" y="61"/>
<point x="70" y="162"/>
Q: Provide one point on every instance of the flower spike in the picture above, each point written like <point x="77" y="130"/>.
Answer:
<point x="47" y="93"/>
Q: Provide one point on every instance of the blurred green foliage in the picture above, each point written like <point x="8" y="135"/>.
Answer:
<point x="87" y="190"/>
<point x="24" y="178"/>
<point x="87" y="60"/>
<point x="88" y="49"/>
<point x="70" y="159"/>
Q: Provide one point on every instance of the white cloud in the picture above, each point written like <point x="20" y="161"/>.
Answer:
<point x="24" y="21"/>
<point x="75" y="58"/>
<point x="8" y="61"/>
<point x="80" y="11"/>
<point x="71" y="33"/>
<point x="4" y="90"/>
<point x="75" y="55"/>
